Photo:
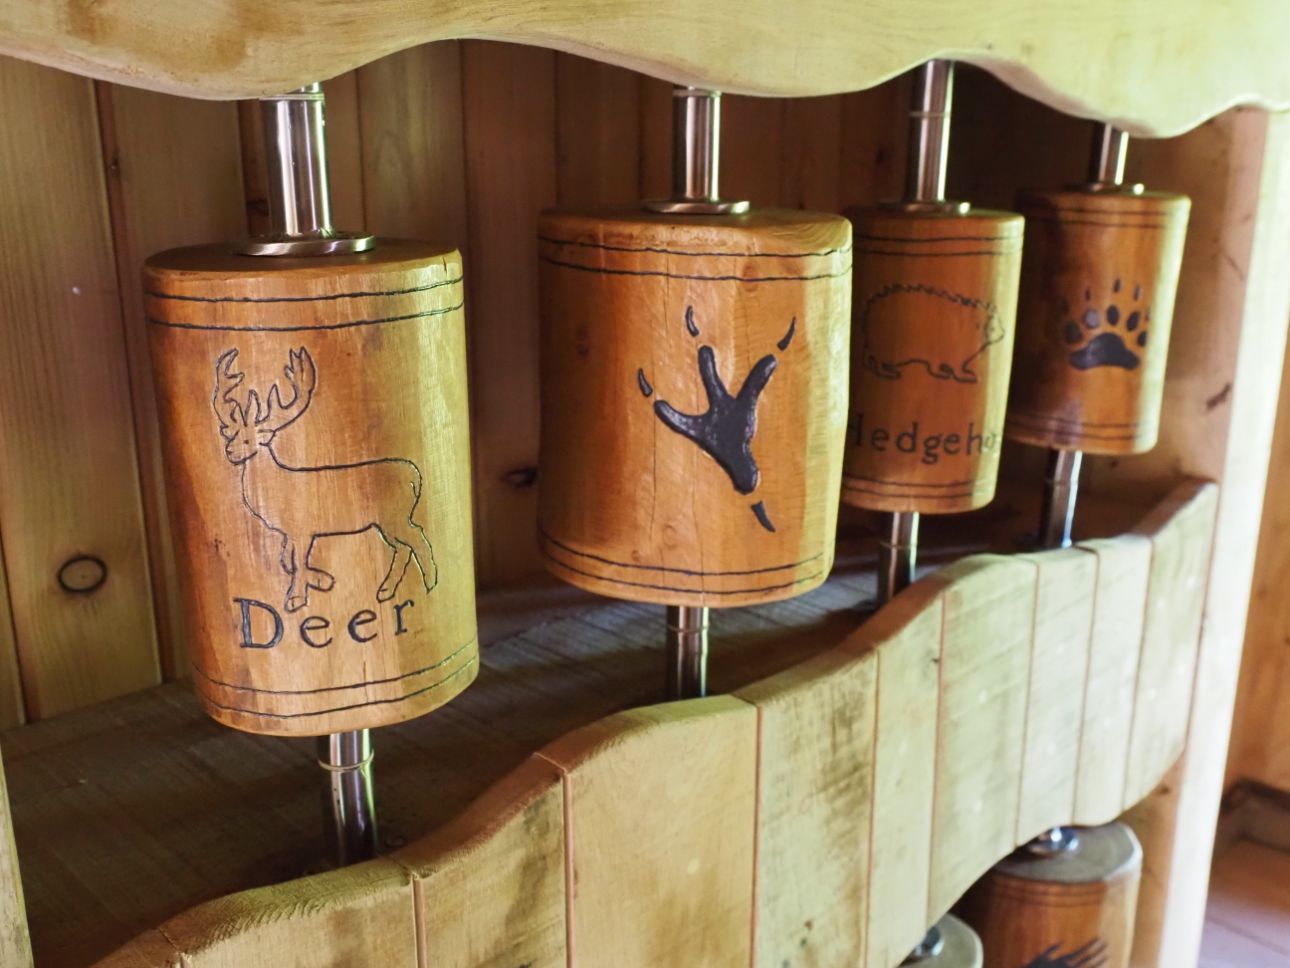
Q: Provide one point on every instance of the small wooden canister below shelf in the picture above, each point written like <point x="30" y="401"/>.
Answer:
<point x="693" y="402"/>
<point x="1097" y="296"/>
<point x="1069" y="910"/>
<point x="934" y="307"/>
<point x="314" y="419"/>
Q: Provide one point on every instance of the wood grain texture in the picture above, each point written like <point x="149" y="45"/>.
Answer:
<point x="693" y="406"/>
<point x="986" y="645"/>
<point x="1098" y="281"/>
<point x="361" y="915"/>
<point x="934" y="310"/>
<point x="1115" y="644"/>
<point x="15" y="942"/>
<point x="189" y="193"/>
<point x="671" y="883"/>
<point x="816" y="726"/>
<point x="510" y="144"/>
<point x="1072" y="908"/>
<point x="490" y="886"/>
<point x="68" y="444"/>
<point x="1064" y="609"/>
<point x="319" y="481"/>
<point x="1153" y="67"/>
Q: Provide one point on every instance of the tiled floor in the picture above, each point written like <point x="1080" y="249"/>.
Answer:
<point x="1247" y="924"/>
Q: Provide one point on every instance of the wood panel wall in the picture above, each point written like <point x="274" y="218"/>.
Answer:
<point x="458" y="142"/>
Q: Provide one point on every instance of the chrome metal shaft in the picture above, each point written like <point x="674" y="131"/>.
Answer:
<point x="933" y="944"/>
<point x="897" y="555"/>
<point x="1061" y="488"/>
<point x="929" y="132"/>
<point x="687" y="652"/>
<point x="295" y="150"/>
<point x="348" y="804"/>
<point x="696" y="144"/>
<point x="1109" y="151"/>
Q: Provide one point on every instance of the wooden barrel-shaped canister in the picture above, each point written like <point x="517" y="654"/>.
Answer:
<point x="934" y="308"/>
<point x="1073" y="908"/>
<point x="315" y="435"/>
<point x="1097" y="296"/>
<point x="693" y="402"/>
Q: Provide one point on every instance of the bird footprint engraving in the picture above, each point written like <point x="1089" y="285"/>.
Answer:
<point x="726" y="429"/>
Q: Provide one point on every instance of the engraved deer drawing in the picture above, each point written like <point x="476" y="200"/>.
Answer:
<point x="303" y="504"/>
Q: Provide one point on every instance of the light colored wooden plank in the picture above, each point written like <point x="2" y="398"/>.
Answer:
<point x="361" y="915"/>
<point x="1249" y="892"/>
<point x="598" y="134"/>
<point x="509" y="95"/>
<point x="1123" y="565"/>
<point x="489" y="886"/>
<point x="1223" y="379"/>
<point x="985" y="662"/>
<point x="1156" y="66"/>
<point x="12" y="710"/>
<point x="15" y="944"/>
<point x="189" y="193"/>
<point x="672" y="882"/>
<point x="71" y="484"/>
<point x="413" y="153"/>
<point x="1180" y="533"/>
<point x="814" y="794"/>
<point x="909" y="629"/>
<point x="1055" y="696"/>
<point x="1221" y="947"/>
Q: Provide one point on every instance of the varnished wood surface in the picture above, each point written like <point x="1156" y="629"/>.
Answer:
<point x="693" y="402"/>
<point x="315" y="422"/>
<point x="1154" y="67"/>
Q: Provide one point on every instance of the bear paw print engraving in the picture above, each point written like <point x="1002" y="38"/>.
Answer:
<point x="726" y="429"/>
<point x="1090" y="955"/>
<point x="1110" y="335"/>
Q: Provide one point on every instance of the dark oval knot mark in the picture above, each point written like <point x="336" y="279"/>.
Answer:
<point x="690" y="324"/>
<point x="82" y="574"/>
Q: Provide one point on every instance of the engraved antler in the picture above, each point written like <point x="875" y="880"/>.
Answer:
<point x="303" y="377"/>
<point x="232" y="417"/>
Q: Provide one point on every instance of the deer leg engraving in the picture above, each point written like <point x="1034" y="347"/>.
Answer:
<point x="298" y="590"/>
<point x="404" y="537"/>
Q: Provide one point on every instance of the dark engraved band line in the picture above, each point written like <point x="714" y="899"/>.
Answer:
<point x="342" y="709"/>
<point x="675" y="588"/>
<point x="676" y="275"/>
<point x="353" y="685"/>
<point x="304" y="329"/>
<point x="865" y="237"/>
<point x="361" y="294"/>
<point x="678" y="571"/>
<point x="885" y="480"/>
<point x="935" y="255"/>
<point x="1056" y="220"/>
<point x="1039" y="418"/>
<point x="662" y="251"/>
<point x="892" y="492"/>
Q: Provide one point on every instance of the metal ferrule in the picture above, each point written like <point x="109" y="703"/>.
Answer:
<point x="295" y="148"/>
<point x="929" y="137"/>
<point x="1054" y="842"/>
<point x="927" y="949"/>
<point x="1106" y="160"/>
<point x="687" y="652"/>
<point x="696" y="157"/>
<point x="1061" y="488"/>
<point x="348" y="802"/>
<point x="897" y="555"/>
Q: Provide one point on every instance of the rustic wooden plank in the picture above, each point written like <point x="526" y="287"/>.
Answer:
<point x="985" y="661"/>
<point x="152" y="949"/>
<point x="413" y="152"/>
<point x="12" y="709"/>
<point x="814" y="795"/>
<point x="1250" y="892"/>
<point x="489" y="886"/>
<point x="811" y="170"/>
<point x="874" y="129"/>
<point x="15" y="943"/>
<point x="509" y="95"/>
<point x="752" y="153"/>
<point x="345" y="144"/>
<point x="1123" y="567"/>
<point x="189" y="193"/>
<point x="598" y="132"/>
<point x="67" y="443"/>
<point x="655" y="138"/>
<point x="1055" y="695"/>
<point x="671" y="883"/>
<point x="1180" y="533"/>
<point x="894" y="913"/>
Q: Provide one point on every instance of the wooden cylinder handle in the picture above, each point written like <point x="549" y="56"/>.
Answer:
<point x="934" y="307"/>
<point x="314" y="421"/>
<point x="1097" y="295"/>
<point x="693" y="402"/>
<point x="1068" y="910"/>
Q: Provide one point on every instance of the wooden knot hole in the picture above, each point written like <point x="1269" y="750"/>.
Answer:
<point x="82" y="574"/>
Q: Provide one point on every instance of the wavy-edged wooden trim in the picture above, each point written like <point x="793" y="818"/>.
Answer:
<point x="828" y="813"/>
<point x="1153" y="66"/>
